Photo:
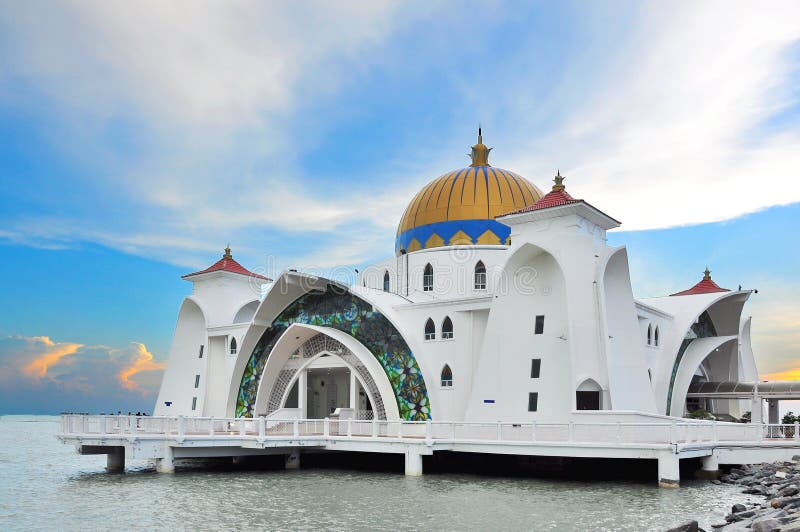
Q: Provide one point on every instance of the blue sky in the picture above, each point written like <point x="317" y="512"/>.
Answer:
<point x="137" y="140"/>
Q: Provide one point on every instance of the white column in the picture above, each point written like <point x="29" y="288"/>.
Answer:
<point x="302" y="393"/>
<point x="669" y="471"/>
<point x="757" y="410"/>
<point x="353" y="390"/>
<point x="167" y="463"/>
<point x="413" y="462"/>
<point x="709" y="469"/>
<point x="115" y="460"/>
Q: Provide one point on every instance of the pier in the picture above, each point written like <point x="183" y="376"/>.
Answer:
<point x="667" y="440"/>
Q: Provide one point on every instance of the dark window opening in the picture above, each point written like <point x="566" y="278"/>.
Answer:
<point x="536" y="365"/>
<point x="430" y="330"/>
<point x="447" y="376"/>
<point x="539" y="329"/>
<point x="587" y="400"/>
<point x="427" y="278"/>
<point x="201" y="351"/>
<point x="533" y="401"/>
<point x="197" y="381"/>
<point x="194" y="403"/>
<point x="386" y="281"/>
<point x="447" y="328"/>
<point x="233" y="346"/>
<point x="480" y="276"/>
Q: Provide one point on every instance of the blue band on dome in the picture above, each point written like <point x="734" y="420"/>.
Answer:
<point x="446" y="230"/>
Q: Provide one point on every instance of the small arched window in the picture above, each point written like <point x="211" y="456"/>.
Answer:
<point x="649" y="335"/>
<point x="233" y="345"/>
<point x="386" y="281"/>
<point x="427" y="278"/>
<point x="447" y="328"/>
<point x="480" y="276"/>
<point x="655" y="337"/>
<point x="447" y="376"/>
<point x="430" y="330"/>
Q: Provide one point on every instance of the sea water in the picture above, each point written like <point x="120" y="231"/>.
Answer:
<point x="45" y="485"/>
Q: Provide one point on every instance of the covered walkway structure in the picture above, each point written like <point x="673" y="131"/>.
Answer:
<point x="756" y="392"/>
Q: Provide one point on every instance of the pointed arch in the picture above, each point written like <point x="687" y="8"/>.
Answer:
<point x="588" y="395"/>
<point x="649" y="334"/>
<point x="427" y="278"/>
<point x="447" y="376"/>
<point x="430" y="330"/>
<point x="655" y="337"/>
<point x="233" y="345"/>
<point x="447" y="328"/>
<point x="386" y="281"/>
<point x="480" y="276"/>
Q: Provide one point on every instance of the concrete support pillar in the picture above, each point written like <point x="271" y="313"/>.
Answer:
<point x="293" y="460"/>
<point x="757" y="410"/>
<point x="669" y="471"/>
<point x="302" y="393"/>
<point x="773" y="412"/>
<point x="413" y="463"/>
<point x="709" y="469"/>
<point x="167" y="463"/>
<point x="115" y="460"/>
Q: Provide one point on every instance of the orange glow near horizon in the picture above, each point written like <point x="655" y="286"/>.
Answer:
<point x="39" y="366"/>
<point x="786" y="375"/>
<point x="144" y="362"/>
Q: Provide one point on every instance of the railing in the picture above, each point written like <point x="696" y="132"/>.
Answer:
<point x="261" y="429"/>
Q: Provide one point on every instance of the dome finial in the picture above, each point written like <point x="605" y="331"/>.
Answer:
<point x="707" y="274"/>
<point x="227" y="254"/>
<point x="480" y="153"/>
<point x="559" y="182"/>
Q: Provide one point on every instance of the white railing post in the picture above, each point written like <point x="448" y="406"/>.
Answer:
<point x="714" y="431"/>
<point x="326" y="427"/>
<point x="571" y="431"/>
<point x="619" y="431"/>
<point x="796" y="426"/>
<point x="296" y="428"/>
<point x="211" y="426"/>
<point x="374" y="428"/>
<point x="242" y="425"/>
<point x="428" y="431"/>
<point x="349" y="428"/>
<point x="499" y="431"/>
<point x="262" y="428"/>
<point x="673" y="433"/>
<point x="400" y="429"/>
<point x="761" y="432"/>
<point x="533" y="431"/>
<point x="453" y="430"/>
<point x="132" y="423"/>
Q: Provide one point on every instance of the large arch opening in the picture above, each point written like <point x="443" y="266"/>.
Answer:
<point x="312" y="377"/>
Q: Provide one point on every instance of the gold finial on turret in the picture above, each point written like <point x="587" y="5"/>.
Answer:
<point x="227" y="254"/>
<point x="480" y="153"/>
<point x="707" y="274"/>
<point x="559" y="182"/>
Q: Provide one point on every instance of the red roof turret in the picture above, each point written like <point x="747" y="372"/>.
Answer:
<point x="227" y="264"/>
<point x="705" y="286"/>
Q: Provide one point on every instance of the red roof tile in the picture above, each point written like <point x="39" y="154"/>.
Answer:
<point x="227" y="264"/>
<point x="705" y="286"/>
<point x="556" y="197"/>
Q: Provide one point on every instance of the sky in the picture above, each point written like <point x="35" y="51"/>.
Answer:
<point x="138" y="139"/>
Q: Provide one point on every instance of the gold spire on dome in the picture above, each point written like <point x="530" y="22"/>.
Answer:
<point x="559" y="182"/>
<point x="707" y="274"/>
<point x="480" y="153"/>
<point x="227" y="254"/>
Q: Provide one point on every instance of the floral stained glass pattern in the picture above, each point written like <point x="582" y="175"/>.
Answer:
<point x="339" y="309"/>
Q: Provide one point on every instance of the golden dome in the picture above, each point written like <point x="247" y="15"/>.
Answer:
<point x="459" y="207"/>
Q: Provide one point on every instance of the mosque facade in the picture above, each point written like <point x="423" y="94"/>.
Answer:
<point x="501" y="303"/>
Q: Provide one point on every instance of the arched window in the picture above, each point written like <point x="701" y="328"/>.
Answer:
<point x="649" y="335"/>
<point x="430" y="330"/>
<point x="386" y="281"/>
<point x="447" y="376"/>
<point x="480" y="276"/>
<point x="447" y="328"/>
<point x="427" y="278"/>
<point x="233" y="345"/>
<point x="655" y="337"/>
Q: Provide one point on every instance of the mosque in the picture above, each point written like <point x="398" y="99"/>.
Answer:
<point x="501" y="303"/>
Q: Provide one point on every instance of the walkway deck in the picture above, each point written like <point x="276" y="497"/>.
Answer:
<point x="666" y="440"/>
